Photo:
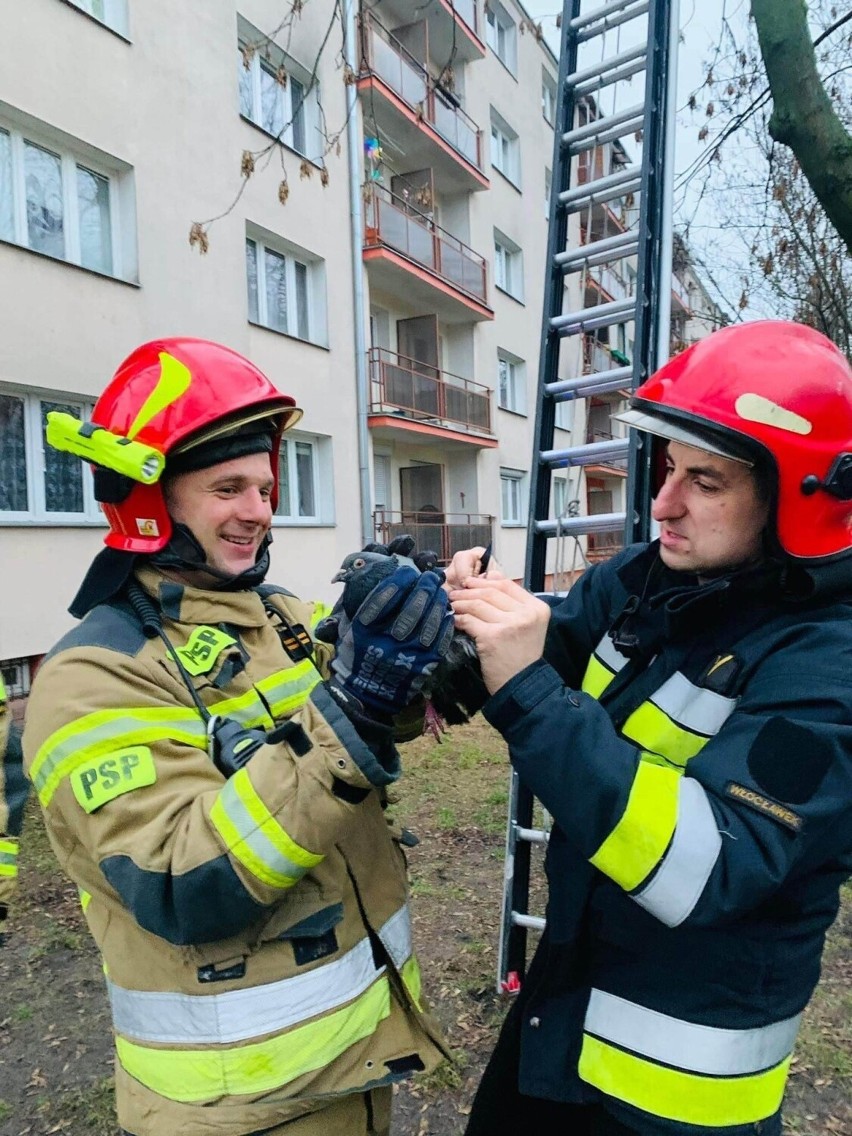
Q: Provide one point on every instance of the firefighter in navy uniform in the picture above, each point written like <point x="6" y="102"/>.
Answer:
<point x="13" y="796"/>
<point x="214" y="782"/>
<point x="685" y="714"/>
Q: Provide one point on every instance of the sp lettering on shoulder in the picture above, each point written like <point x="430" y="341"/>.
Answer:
<point x="107" y="777"/>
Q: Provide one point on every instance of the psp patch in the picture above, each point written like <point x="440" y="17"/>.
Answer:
<point x="100" y="781"/>
<point x="764" y="805"/>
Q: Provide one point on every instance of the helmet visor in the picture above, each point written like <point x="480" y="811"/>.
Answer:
<point x="675" y="432"/>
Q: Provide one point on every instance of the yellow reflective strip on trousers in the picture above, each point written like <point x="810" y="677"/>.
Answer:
<point x="655" y="731"/>
<point x="637" y="843"/>
<point x="597" y="678"/>
<point x="411" y="977"/>
<point x="203" y="1074"/>
<point x="270" y="828"/>
<point x="8" y="858"/>
<point x="716" y="1102"/>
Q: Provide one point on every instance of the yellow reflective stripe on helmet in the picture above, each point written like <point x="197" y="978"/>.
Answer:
<point x="637" y="843"/>
<point x="656" y="732"/>
<point x="8" y="857"/>
<point x="413" y="984"/>
<point x="255" y="838"/>
<point x="104" y="731"/>
<point x="286" y="691"/>
<point x="204" y="1074"/>
<point x="175" y="379"/>
<point x="716" y="1102"/>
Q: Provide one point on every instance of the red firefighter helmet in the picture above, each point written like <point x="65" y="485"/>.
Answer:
<point x="171" y="395"/>
<point x="778" y="395"/>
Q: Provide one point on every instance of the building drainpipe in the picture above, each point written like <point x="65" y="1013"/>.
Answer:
<point x="356" y="219"/>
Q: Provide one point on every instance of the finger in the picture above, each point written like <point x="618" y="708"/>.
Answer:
<point x="433" y="624"/>
<point x="486" y="612"/>
<point x="388" y="597"/>
<point x="426" y="592"/>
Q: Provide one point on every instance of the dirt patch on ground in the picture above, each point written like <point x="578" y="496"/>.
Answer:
<point x="55" y="1043"/>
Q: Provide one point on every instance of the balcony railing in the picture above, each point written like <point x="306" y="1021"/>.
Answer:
<point x="390" y="220"/>
<point x="596" y="356"/>
<point x="601" y="546"/>
<point x="680" y="290"/>
<point x="444" y="533"/>
<point x="425" y="393"/>
<point x="593" y="434"/>
<point x="611" y="281"/>
<point x="383" y="55"/>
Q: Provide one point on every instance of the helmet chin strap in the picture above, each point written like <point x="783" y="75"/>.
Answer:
<point x="183" y="553"/>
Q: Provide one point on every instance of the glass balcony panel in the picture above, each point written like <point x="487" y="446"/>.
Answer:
<point x="444" y="533"/>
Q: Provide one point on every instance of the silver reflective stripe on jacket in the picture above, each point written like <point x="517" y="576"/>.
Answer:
<point x="684" y="1045"/>
<point x="612" y="659"/>
<point x="396" y="936"/>
<point x="238" y="1015"/>
<point x="697" y="709"/>
<point x="676" y="886"/>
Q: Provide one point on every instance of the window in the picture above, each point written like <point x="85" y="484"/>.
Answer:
<point x="548" y="98"/>
<point x="16" y="677"/>
<point x="37" y="482"/>
<point x="511" y="377"/>
<point x="505" y="149"/>
<point x="548" y="188"/>
<point x="501" y="35"/>
<point x="303" y="497"/>
<point x="508" y="266"/>
<point x="113" y="13"/>
<point x="277" y="94"/>
<point x="286" y="290"/>
<point x="60" y="202"/>
<point x="564" y="417"/>
<point x="511" y="496"/>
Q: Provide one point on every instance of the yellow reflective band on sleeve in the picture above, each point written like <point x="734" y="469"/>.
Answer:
<point x="287" y="691"/>
<point x="637" y="843"/>
<point x="255" y="838"/>
<point x="596" y="679"/>
<point x="413" y="983"/>
<point x="655" y="731"/>
<point x="204" y="1074"/>
<point x="97" y="782"/>
<point x="203" y="648"/>
<point x="716" y="1102"/>
<point x="321" y="611"/>
<point x="8" y="858"/>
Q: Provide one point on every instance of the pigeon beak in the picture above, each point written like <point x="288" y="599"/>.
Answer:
<point x="340" y="578"/>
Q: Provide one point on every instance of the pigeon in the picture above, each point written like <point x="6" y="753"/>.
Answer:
<point x="456" y="690"/>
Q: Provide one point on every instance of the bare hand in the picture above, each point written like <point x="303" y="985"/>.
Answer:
<point x="468" y="563"/>
<point x="507" y="623"/>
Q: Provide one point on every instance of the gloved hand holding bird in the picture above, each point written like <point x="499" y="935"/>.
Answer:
<point x="455" y="690"/>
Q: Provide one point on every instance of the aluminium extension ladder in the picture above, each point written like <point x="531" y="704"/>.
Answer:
<point x="592" y="75"/>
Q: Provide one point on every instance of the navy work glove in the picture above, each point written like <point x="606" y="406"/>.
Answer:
<point x="398" y="636"/>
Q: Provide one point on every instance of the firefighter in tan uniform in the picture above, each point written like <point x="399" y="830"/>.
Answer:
<point x="214" y="782"/>
<point x="13" y="795"/>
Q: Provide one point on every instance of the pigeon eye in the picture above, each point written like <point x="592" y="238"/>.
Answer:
<point x="359" y="563"/>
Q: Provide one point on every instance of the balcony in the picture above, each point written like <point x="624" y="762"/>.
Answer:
<point x="607" y="281"/>
<point x="409" y="397"/>
<point x="444" y="533"/>
<point x="414" y="116"/>
<point x="680" y="294"/>
<point x="405" y="251"/>
<point x="454" y="27"/>
<point x="615" y="467"/>
<point x="601" y="546"/>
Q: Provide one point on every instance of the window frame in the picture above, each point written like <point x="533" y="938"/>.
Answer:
<point x="274" y="57"/>
<point x="35" y="445"/>
<point x="314" y="293"/>
<point x="499" y="23"/>
<point x="516" y="478"/>
<point x="549" y="97"/>
<point x="115" y="16"/>
<point x="511" y="257"/>
<point x="508" y="143"/>
<point x="516" y="367"/>
<point x="322" y="488"/>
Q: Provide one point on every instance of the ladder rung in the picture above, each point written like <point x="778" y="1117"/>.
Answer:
<point x="581" y="526"/>
<point x="625" y="72"/>
<point x="620" y="14"/>
<point x="534" y="922"/>
<point x="601" y="130"/>
<point x="604" y="66"/>
<point x="615" y="449"/>
<point x="533" y="835"/>
<point x="602" y="13"/>
<point x="619" y="184"/>
<point x="601" y="382"/>
<point x="601" y="315"/>
<point x="598" y="252"/>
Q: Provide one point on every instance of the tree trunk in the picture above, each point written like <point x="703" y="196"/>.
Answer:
<point x="803" y="117"/>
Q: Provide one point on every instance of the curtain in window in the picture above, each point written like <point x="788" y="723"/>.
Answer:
<point x="45" y="224"/>
<point x="251" y="280"/>
<point x="284" y="509"/>
<point x="276" y="290"/>
<point x="246" y="91"/>
<point x="13" y="456"/>
<point x="297" y="102"/>
<point x="95" y="234"/>
<point x="305" y="474"/>
<point x="63" y="473"/>
<point x="271" y="110"/>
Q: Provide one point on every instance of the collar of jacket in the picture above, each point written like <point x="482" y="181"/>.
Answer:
<point x="182" y="603"/>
